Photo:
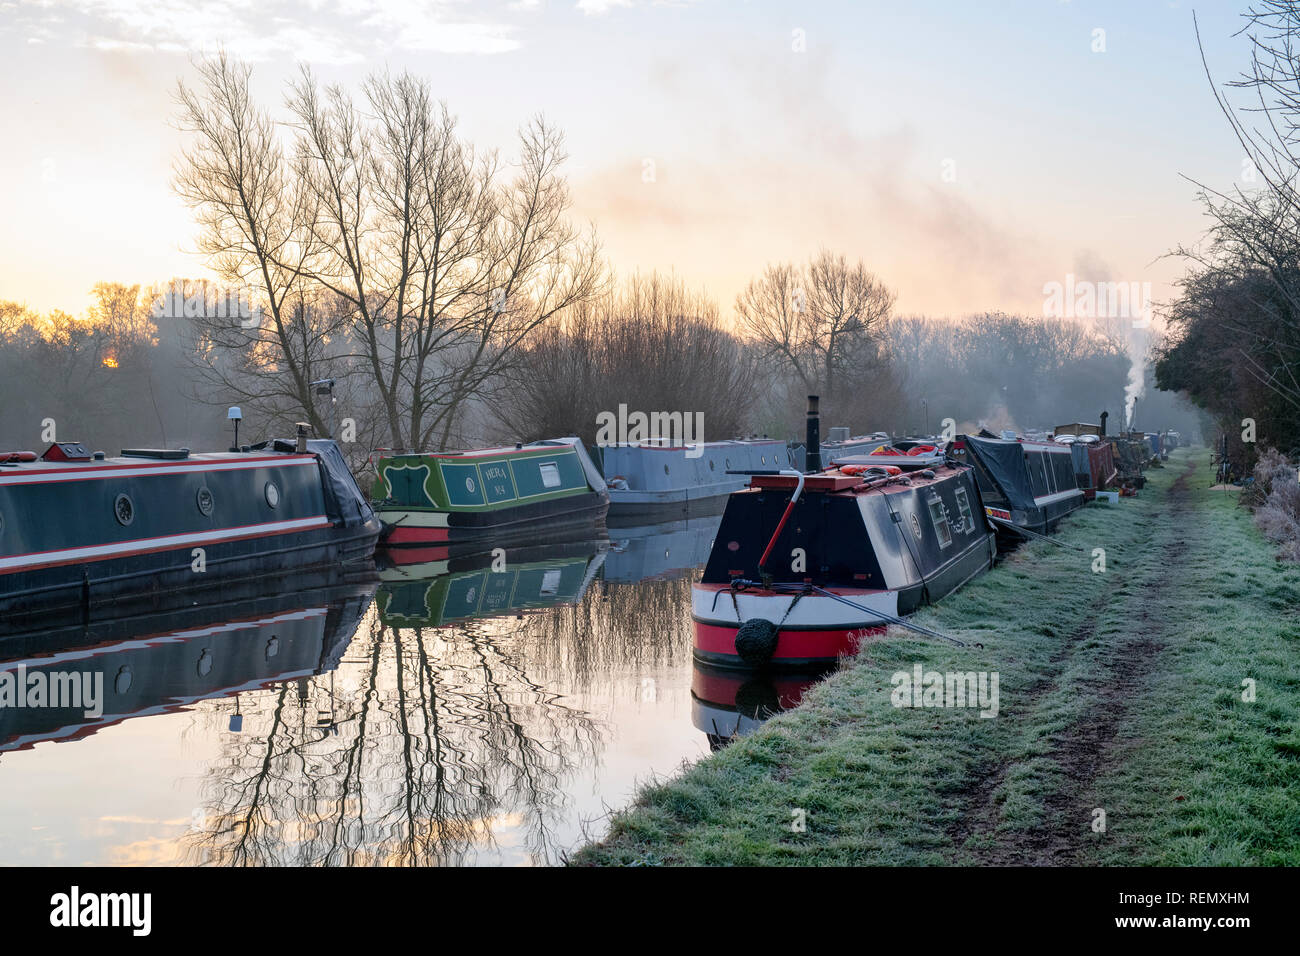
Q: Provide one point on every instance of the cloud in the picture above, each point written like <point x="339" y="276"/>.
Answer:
<point x="333" y="31"/>
<point x="790" y="167"/>
<point x="600" y="7"/>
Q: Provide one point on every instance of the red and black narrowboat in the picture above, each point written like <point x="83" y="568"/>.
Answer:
<point x="804" y="566"/>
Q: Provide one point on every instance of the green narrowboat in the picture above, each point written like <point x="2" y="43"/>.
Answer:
<point x="444" y="498"/>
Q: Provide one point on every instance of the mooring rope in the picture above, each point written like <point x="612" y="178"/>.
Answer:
<point x="740" y="584"/>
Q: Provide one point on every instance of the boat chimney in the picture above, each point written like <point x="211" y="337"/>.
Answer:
<point x="302" y="438"/>
<point x="1104" y="416"/>
<point x="813" y="459"/>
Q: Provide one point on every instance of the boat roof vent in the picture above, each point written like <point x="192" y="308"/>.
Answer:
<point x="166" y="454"/>
<point x="66" y="451"/>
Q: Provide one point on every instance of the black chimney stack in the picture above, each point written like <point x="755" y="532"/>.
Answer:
<point x="1104" y="416"/>
<point x="813" y="457"/>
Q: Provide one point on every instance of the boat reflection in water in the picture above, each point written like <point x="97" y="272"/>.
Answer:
<point x="664" y="551"/>
<point x="727" y="703"/>
<point x="118" y="669"/>
<point x="482" y="709"/>
<point x="469" y="720"/>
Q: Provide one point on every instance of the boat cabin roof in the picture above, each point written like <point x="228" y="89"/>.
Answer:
<point x="11" y="463"/>
<point x="832" y="482"/>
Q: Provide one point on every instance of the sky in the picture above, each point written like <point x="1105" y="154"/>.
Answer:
<point x="969" y="152"/>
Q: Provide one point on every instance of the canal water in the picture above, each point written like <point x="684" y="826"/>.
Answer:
<point x="459" y="712"/>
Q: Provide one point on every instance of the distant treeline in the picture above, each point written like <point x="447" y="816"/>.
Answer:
<point x="113" y="378"/>
<point x="123" y="375"/>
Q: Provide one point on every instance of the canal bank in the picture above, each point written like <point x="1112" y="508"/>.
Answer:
<point x="1123" y="733"/>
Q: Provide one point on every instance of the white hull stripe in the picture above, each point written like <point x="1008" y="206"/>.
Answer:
<point x="812" y="610"/>
<point x="1059" y="496"/>
<point x="171" y="637"/>
<point x="100" y="552"/>
<point x="145" y="471"/>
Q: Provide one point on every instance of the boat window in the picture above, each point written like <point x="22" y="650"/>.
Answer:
<point x="939" y="518"/>
<point x="1037" y="473"/>
<point x="550" y="474"/>
<point x="963" y="506"/>
<point x="124" y="509"/>
<point x="1064" y="464"/>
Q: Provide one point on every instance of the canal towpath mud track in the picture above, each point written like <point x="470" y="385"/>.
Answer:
<point x="1089" y="746"/>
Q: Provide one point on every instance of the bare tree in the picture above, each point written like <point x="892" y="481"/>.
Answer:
<point x="653" y="345"/>
<point x="445" y="267"/>
<point x="255" y="233"/>
<point x="818" y="321"/>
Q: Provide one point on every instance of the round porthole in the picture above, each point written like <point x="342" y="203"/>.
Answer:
<point x="205" y="663"/>
<point x="665" y="469"/>
<point x="124" y="509"/>
<point x="272" y="647"/>
<point x="122" y="682"/>
<point x="203" y="498"/>
<point x="272" y="494"/>
<point x="916" y="527"/>
<point x="2" y="524"/>
<point x="710" y="466"/>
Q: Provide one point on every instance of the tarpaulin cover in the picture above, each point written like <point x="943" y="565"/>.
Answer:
<point x="343" y="499"/>
<point x="1005" y="463"/>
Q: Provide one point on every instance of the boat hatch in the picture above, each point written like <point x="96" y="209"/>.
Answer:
<point x="67" y="451"/>
<point x="811" y="483"/>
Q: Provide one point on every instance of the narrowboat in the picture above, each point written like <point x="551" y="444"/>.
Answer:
<point x="80" y="531"/>
<point x="651" y="482"/>
<point x="840" y="444"/>
<point x="1093" y="456"/>
<point x="146" y="664"/>
<point x="654" y="482"/>
<point x="1027" y="486"/>
<point x="804" y="567"/>
<point x="478" y="496"/>
<point x="483" y="586"/>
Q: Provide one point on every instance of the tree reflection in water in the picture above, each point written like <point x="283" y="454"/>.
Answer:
<point x="427" y="741"/>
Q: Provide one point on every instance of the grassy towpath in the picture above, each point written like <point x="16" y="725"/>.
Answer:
<point x="1120" y="703"/>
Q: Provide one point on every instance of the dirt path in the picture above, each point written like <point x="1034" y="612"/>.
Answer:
<point x="1085" y="750"/>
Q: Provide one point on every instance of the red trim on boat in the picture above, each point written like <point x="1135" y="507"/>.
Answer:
<point x="717" y="640"/>
<point x="401" y="557"/>
<point x="413" y="535"/>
